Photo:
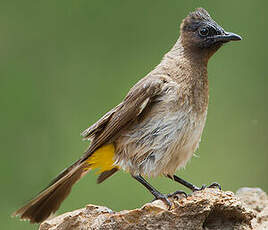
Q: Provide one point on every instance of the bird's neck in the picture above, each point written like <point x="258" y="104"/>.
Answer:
<point x="188" y="68"/>
<point x="187" y="56"/>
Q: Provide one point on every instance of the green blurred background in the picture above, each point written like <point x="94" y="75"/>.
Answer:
<point x="66" y="63"/>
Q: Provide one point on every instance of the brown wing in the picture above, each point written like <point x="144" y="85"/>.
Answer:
<point x="90" y="132"/>
<point x="110" y="125"/>
<point x="122" y="115"/>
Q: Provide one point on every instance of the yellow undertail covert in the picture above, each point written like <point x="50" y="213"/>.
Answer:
<point x="102" y="159"/>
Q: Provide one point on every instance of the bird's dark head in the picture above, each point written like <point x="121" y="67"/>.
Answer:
<point x="200" y="32"/>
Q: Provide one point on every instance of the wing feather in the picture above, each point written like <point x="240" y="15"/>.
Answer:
<point x="110" y="125"/>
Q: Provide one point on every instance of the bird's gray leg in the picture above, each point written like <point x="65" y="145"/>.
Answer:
<point x="191" y="186"/>
<point x="152" y="190"/>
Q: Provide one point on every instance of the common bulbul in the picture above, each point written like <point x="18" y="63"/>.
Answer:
<point x="156" y="128"/>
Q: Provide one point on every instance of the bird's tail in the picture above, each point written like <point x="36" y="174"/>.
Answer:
<point x="49" y="200"/>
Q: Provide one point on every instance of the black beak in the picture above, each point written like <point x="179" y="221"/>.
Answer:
<point x="226" y="37"/>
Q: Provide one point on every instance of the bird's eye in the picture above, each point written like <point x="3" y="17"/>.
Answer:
<point x="204" y="31"/>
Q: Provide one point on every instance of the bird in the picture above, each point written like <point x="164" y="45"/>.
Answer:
<point x="156" y="128"/>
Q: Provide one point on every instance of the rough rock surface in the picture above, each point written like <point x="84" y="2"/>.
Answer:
<point x="208" y="209"/>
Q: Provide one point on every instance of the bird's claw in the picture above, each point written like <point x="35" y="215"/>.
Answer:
<point x="164" y="198"/>
<point x="213" y="185"/>
<point x="179" y="192"/>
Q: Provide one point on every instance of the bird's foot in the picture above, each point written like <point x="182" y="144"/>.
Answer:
<point x="175" y="194"/>
<point x="165" y="199"/>
<point x="213" y="185"/>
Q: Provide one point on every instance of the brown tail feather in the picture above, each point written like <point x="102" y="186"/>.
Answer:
<point x="104" y="175"/>
<point x="48" y="201"/>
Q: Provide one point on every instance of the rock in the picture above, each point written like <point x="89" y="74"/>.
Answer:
<point x="256" y="200"/>
<point x="205" y="210"/>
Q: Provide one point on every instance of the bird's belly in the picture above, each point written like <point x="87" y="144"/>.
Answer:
<point x="183" y="149"/>
<point x="159" y="145"/>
